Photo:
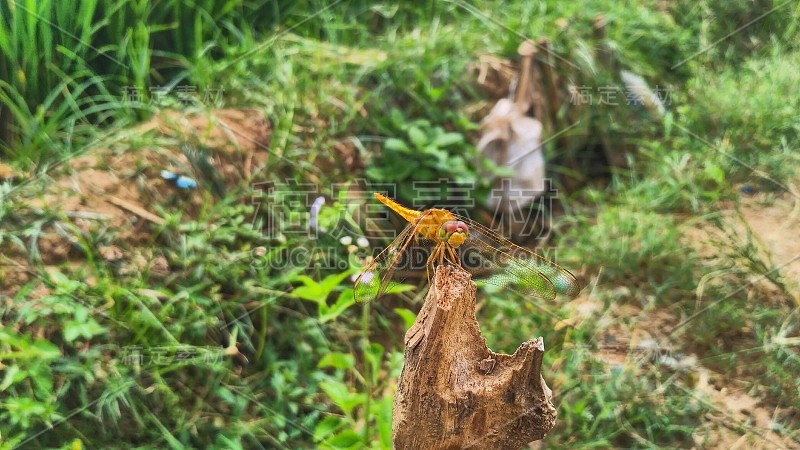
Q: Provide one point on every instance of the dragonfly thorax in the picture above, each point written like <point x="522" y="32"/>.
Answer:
<point x="453" y="232"/>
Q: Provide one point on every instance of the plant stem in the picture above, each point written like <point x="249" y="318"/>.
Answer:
<point x="367" y="368"/>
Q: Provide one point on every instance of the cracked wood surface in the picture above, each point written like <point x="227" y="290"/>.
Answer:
<point x="455" y="393"/>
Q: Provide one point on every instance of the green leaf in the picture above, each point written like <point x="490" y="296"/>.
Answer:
<point x="345" y="300"/>
<point x="448" y="139"/>
<point x="225" y="442"/>
<point x="442" y="158"/>
<point x="347" y="439"/>
<point x="384" y="420"/>
<point x="399" y="288"/>
<point x="396" y="145"/>
<point x="327" y="427"/>
<point x="337" y="360"/>
<point x="403" y="172"/>
<point x="407" y="315"/>
<point x="715" y="173"/>
<point x="45" y="349"/>
<point x="42" y="377"/>
<point x="9" y="338"/>
<point x="21" y="410"/>
<point x="74" y="329"/>
<point x="418" y="137"/>
<point x="435" y="93"/>
<point x="306" y="280"/>
<point x="669" y="119"/>
<point x="64" y="285"/>
<point x="331" y="282"/>
<point x="311" y="290"/>
<point x="397" y="118"/>
<point x="12" y="375"/>
<point x="375" y="173"/>
<point x="374" y="357"/>
<point x="341" y="396"/>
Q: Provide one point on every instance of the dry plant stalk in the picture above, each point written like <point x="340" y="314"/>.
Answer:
<point x="455" y="393"/>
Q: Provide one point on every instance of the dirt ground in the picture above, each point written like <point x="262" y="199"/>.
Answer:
<point x="769" y="223"/>
<point x="118" y="190"/>
<point x="743" y="421"/>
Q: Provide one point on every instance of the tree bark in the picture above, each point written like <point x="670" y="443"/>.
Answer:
<point x="455" y="393"/>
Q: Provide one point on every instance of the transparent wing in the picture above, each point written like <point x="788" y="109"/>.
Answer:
<point x="514" y="267"/>
<point x="376" y="278"/>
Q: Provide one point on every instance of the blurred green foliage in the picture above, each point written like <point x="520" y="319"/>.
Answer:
<point x="282" y="357"/>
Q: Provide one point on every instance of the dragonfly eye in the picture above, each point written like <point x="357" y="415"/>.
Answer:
<point x="454" y="232"/>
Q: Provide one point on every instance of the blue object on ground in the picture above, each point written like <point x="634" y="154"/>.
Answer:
<point x="180" y="181"/>
<point x="184" y="182"/>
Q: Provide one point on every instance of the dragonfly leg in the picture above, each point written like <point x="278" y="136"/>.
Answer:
<point x="453" y="256"/>
<point x="436" y="253"/>
<point x="428" y="269"/>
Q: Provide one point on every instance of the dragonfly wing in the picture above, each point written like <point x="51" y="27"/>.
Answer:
<point x="376" y="278"/>
<point x="515" y="267"/>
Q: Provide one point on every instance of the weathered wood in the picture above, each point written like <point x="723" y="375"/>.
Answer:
<point x="455" y="393"/>
<point x="527" y="52"/>
<point x="550" y="83"/>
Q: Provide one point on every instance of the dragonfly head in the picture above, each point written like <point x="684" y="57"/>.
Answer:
<point x="454" y="232"/>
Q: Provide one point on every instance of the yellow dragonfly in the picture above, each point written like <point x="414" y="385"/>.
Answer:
<point x="509" y="265"/>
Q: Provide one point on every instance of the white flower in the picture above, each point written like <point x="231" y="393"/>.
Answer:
<point x="362" y="242"/>
<point x="315" y="207"/>
<point x="346" y="240"/>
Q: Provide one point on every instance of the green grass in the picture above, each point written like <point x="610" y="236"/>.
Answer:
<point x="65" y="67"/>
<point x="276" y="353"/>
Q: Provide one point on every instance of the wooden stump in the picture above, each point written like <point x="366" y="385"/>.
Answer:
<point x="455" y="393"/>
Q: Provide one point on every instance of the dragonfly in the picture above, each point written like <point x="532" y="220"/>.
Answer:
<point x="454" y="238"/>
